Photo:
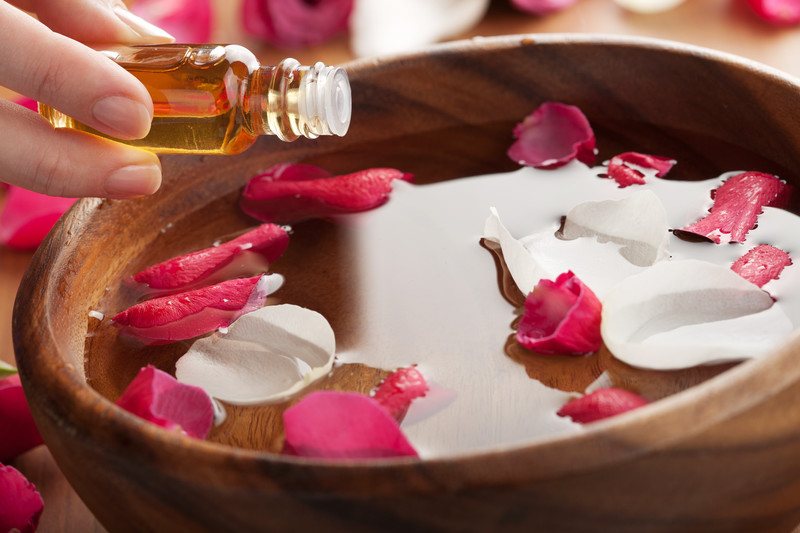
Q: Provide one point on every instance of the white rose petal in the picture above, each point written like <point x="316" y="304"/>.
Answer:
<point x="638" y="223"/>
<point x="266" y="356"/>
<point x="679" y="314"/>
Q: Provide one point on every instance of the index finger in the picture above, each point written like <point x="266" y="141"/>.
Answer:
<point x="71" y="77"/>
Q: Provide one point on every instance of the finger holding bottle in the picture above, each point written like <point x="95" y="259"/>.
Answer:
<point x="67" y="75"/>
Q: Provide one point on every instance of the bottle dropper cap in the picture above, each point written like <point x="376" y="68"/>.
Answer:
<point x="324" y="101"/>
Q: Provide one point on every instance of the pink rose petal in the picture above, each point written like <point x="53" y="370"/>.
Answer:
<point x="342" y="425"/>
<point x="399" y="389"/>
<point x="777" y="12"/>
<point x="552" y="136"/>
<point x="193" y="313"/>
<point x="162" y="400"/>
<point x="600" y="404"/>
<point x="561" y="317"/>
<point x="737" y="204"/>
<point x="542" y="7"/>
<point x="294" y="23"/>
<point x="290" y="193"/>
<point x="189" y="21"/>
<point x="627" y="168"/>
<point x="29" y="216"/>
<point x="21" y="504"/>
<point x="18" y="432"/>
<point x="762" y="264"/>
<point x="245" y="255"/>
<point x="30" y="103"/>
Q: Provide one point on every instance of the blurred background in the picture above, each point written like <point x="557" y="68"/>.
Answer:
<point x="336" y="31"/>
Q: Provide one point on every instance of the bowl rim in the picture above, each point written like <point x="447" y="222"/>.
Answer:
<point x="625" y="436"/>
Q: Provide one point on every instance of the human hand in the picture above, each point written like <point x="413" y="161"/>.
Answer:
<point x="44" y="60"/>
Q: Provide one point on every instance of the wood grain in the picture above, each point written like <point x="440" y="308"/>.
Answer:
<point x="722" y="24"/>
<point x="721" y="456"/>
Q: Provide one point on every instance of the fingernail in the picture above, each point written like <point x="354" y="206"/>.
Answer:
<point x="133" y="180"/>
<point x="128" y="119"/>
<point x="150" y="32"/>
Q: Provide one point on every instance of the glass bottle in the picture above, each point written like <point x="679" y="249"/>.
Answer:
<point x="218" y="99"/>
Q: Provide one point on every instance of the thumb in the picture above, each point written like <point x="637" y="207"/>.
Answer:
<point x="95" y="21"/>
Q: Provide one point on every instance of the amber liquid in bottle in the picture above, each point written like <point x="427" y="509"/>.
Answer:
<point x="218" y="99"/>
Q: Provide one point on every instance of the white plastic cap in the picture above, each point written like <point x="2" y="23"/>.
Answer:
<point x="324" y="101"/>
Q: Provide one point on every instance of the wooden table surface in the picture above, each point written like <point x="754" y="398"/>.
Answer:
<point x="723" y="24"/>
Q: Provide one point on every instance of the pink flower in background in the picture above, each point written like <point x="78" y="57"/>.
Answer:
<point x="17" y="428"/>
<point x="20" y="503"/>
<point x="189" y="21"/>
<point x="296" y="22"/>
<point x="29" y="216"/>
<point x="542" y="7"/>
<point x="777" y="12"/>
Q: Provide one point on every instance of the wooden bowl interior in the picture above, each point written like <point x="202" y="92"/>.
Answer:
<point x="440" y="115"/>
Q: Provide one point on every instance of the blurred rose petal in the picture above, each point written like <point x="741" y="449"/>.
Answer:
<point x="552" y="136"/>
<point x="189" y="21"/>
<point x="292" y="193"/>
<point x="162" y="400"/>
<point x="542" y="7"/>
<point x="601" y="404"/>
<point x="294" y="23"/>
<point x="28" y="216"/>
<point x="20" y="503"/>
<point x="18" y="432"/>
<point x="30" y="103"/>
<point x="342" y="425"/>
<point x="777" y="12"/>
<point x="381" y="27"/>
<point x="648" y="6"/>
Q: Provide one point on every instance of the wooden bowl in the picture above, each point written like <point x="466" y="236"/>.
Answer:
<point x="719" y="456"/>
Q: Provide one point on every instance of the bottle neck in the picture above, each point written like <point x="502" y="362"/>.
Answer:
<point x="291" y="101"/>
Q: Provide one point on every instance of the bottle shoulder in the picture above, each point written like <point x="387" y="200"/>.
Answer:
<point x="174" y="56"/>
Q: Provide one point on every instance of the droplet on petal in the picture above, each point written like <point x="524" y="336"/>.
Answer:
<point x="17" y="429"/>
<point x="552" y="136"/>
<point x="189" y="21"/>
<point x="399" y="389"/>
<point x="342" y="425"/>
<point x="160" y="399"/>
<point x="29" y="216"/>
<point x="684" y="313"/>
<point x="601" y="404"/>
<point x="21" y="504"/>
<point x="632" y="168"/>
<point x="284" y="194"/>
<point x="762" y="264"/>
<point x="191" y="314"/>
<point x="561" y="317"/>
<point x="245" y="255"/>
<point x="265" y="356"/>
<point x="737" y="204"/>
<point x="777" y="12"/>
